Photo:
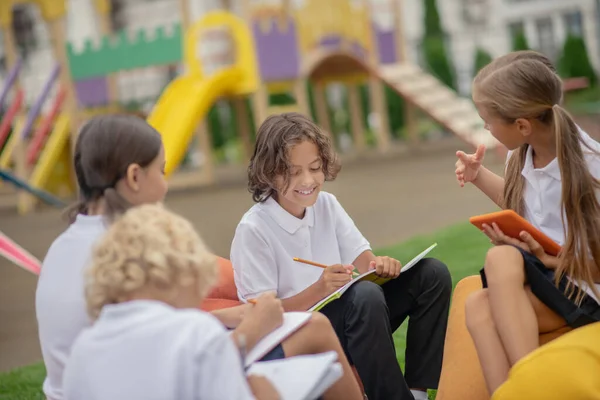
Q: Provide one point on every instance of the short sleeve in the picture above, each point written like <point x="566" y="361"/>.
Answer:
<point x="220" y="375"/>
<point x="254" y="266"/>
<point x="350" y="241"/>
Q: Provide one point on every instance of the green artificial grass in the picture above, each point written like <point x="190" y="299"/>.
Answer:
<point x="462" y="247"/>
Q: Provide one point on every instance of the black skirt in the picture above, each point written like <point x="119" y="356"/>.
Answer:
<point x="541" y="281"/>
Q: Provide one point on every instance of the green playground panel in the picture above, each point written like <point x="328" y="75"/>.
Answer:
<point x="125" y="53"/>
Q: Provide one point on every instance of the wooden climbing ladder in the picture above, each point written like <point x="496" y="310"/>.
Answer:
<point x="442" y="104"/>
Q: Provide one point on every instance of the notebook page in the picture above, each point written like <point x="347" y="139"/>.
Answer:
<point x="370" y="276"/>
<point x="418" y="258"/>
<point x="302" y="377"/>
<point x="292" y="321"/>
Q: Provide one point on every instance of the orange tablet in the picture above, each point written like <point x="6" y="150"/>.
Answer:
<point x="512" y="224"/>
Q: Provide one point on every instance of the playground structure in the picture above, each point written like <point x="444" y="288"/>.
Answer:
<point x="34" y="146"/>
<point x="270" y="50"/>
<point x="280" y="49"/>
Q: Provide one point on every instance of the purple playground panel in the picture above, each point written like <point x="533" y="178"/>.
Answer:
<point x="386" y="45"/>
<point x="92" y="92"/>
<point x="277" y="52"/>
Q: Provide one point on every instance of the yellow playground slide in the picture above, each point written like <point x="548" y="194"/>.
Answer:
<point x="181" y="107"/>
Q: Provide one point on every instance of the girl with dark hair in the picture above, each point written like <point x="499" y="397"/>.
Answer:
<point x="119" y="163"/>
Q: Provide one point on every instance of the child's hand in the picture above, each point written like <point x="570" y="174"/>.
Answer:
<point x="386" y="267"/>
<point x="233" y="316"/>
<point x="266" y="315"/>
<point x="334" y="277"/>
<point x="537" y="250"/>
<point x="527" y="243"/>
<point x="467" y="166"/>
<point x="262" y="388"/>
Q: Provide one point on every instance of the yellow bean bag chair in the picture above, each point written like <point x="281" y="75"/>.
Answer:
<point x="461" y="377"/>
<point x="567" y="368"/>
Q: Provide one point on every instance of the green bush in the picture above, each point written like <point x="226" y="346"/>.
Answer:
<point x="437" y="60"/>
<point x="434" y="46"/>
<point x="433" y="25"/>
<point x="395" y="109"/>
<point x="482" y="58"/>
<point x="575" y="62"/>
<point x="520" y="42"/>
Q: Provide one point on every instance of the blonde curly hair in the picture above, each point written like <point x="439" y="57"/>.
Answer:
<point x="148" y="246"/>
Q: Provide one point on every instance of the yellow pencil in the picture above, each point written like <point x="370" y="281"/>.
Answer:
<point x="316" y="264"/>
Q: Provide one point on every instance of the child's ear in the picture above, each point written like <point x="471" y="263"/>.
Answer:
<point x="133" y="176"/>
<point x="524" y="126"/>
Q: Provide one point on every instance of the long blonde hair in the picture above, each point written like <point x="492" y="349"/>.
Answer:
<point x="529" y="89"/>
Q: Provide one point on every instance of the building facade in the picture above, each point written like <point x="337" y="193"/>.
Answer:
<point x="469" y="24"/>
<point x="492" y="24"/>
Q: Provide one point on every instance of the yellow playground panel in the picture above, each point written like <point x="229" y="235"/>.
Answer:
<point x="187" y="100"/>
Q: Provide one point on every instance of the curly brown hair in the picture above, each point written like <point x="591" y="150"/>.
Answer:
<point x="274" y="140"/>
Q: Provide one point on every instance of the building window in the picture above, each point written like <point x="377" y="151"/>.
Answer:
<point x="574" y="23"/>
<point x="117" y="15"/>
<point x="516" y="29"/>
<point x="23" y="27"/>
<point x="546" y="42"/>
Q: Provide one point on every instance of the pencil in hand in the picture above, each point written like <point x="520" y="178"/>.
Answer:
<point x="300" y="260"/>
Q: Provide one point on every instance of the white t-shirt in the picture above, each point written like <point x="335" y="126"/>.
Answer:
<point x="149" y="350"/>
<point x="60" y="302"/>
<point x="543" y="192"/>
<point x="268" y="238"/>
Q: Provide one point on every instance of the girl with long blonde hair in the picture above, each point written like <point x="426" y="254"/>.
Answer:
<point x="552" y="181"/>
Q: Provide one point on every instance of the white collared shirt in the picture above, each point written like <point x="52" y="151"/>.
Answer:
<point x="543" y="192"/>
<point x="59" y="299"/>
<point x="146" y="349"/>
<point x="268" y="238"/>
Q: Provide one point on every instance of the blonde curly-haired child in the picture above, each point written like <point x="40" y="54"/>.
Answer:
<point x="119" y="162"/>
<point x="149" y="341"/>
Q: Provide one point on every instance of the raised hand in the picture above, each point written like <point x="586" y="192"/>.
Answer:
<point x="468" y="165"/>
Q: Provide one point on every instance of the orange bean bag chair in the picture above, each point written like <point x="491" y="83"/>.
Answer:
<point x="224" y="295"/>
<point x="461" y="377"/>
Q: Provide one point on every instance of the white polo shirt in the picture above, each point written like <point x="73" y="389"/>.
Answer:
<point x="149" y="350"/>
<point x="268" y="238"/>
<point x="59" y="299"/>
<point x="543" y="191"/>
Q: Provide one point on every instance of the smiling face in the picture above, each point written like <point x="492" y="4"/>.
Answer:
<point x="306" y="177"/>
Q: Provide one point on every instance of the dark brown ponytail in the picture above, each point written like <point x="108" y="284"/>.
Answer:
<point x="107" y="145"/>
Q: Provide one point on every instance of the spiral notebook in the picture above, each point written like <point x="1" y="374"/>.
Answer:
<point x="369" y="276"/>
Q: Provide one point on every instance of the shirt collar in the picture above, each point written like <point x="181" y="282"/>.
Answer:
<point x="286" y="220"/>
<point x="552" y="169"/>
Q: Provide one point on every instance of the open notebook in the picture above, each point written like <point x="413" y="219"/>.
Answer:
<point x="302" y="377"/>
<point x="368" y="276"/>
<point x="292" y="321"/>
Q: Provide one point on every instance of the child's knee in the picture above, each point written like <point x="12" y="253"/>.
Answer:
<point x="477" y="310"/>
<point x="504" y="264"/>
<point x="319" y="323"/>
<point x="368" y="295"/>
<point x="438" y="275"/>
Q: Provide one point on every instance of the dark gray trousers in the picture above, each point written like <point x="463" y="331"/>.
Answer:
<point x="365" y="317"/>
